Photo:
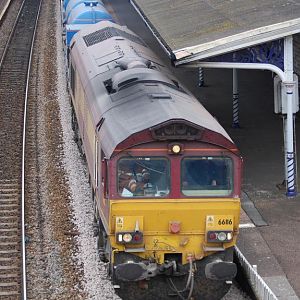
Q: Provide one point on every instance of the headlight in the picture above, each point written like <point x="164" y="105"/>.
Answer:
<point x="222" y="236"/>
<point x="219" y="236"/>
<point x="127" y="237"/>
<point x="176" y="149"/>
<point x="135" y="237"/>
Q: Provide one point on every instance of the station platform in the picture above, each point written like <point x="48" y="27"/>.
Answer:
<point x="262" y="244"/>
<point x="272" y="245"/>
<point x="270" y="222"/>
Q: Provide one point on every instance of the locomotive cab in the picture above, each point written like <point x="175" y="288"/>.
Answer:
<point x="174" y="204"/>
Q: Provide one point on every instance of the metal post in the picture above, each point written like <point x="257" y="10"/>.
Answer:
<point x="295" y="150"/>
<point x="290" y="89"/>
<point x="290" y="155"/>
<point x="235" y="100"/>
<point x="285" y="150"/>
<point x="201" y="77"/>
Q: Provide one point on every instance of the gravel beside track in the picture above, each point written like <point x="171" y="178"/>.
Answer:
<point x="62" y="256"/>
<point x="51" y="271"/>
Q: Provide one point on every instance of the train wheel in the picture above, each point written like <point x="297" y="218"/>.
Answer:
<point x="79" y="144"/>
<point x="75" y="128"/>
<point x="73" y="120"/>
<point x="93" y="194"/>
<point x="77" y="137"/>
<point x="95" y="217"/>
<point x="108" y="256"/>
<point x="102" y="242"/>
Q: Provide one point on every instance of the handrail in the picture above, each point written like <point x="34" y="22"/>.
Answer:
<point x="261" y="290"/>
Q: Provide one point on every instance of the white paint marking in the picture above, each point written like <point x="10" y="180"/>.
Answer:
<point x="247" y="225"/>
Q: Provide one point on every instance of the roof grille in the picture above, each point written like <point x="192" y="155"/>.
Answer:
<point x="108" y="32"/>
<point x="160" y="96"/>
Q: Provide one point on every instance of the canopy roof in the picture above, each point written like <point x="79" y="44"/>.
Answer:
<point x="204" y="28"/>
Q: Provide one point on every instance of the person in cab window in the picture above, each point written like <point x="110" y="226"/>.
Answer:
<point x="140" y="185"/>
<point x="133" y="184"/>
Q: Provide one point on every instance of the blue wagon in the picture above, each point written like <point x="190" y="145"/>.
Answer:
<point x="88" y="12"/>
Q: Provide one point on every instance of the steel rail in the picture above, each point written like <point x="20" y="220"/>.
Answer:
<point x="11" y="34"/>
<point x="15" y="65"/>
<point x="24" y="281"/>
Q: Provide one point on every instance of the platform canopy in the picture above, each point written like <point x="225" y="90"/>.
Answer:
<point x="198" y="29"/>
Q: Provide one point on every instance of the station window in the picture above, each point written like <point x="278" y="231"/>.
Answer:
<point x="143" y="177"/>
<point x="206" y="176"/>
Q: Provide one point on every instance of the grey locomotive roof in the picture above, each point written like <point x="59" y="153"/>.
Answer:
<point x="143" y="93"/>
<point x="211" y="27"/>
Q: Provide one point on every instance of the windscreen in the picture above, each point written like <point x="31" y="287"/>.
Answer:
<point x="206" y="176"/>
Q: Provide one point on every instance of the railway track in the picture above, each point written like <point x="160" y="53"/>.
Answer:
<point x="14" y="72"/>
<point x="4" y="4"/>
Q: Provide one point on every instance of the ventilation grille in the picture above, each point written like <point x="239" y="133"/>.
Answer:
<point x="108" y="32"/>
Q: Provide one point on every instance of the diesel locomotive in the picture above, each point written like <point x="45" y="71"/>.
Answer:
<point x="165" y="175"/>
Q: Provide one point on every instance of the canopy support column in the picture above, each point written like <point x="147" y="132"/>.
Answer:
<point x="235" y="99"/>
<point x="201" y="77"/>
<point x="288" y="102"/>
<point x="289" y="85"/>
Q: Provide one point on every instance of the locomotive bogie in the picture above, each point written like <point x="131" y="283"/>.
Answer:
<point x="163" y="287"/>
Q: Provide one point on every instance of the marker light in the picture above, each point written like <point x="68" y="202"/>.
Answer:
<point x="229" y="236"/>
<point x="212" y="236"/>
<point x="120" y="238"/>
<point x="176" y="149"/>
<point x="127" y="237"/>
<point x="135" y="237"/>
